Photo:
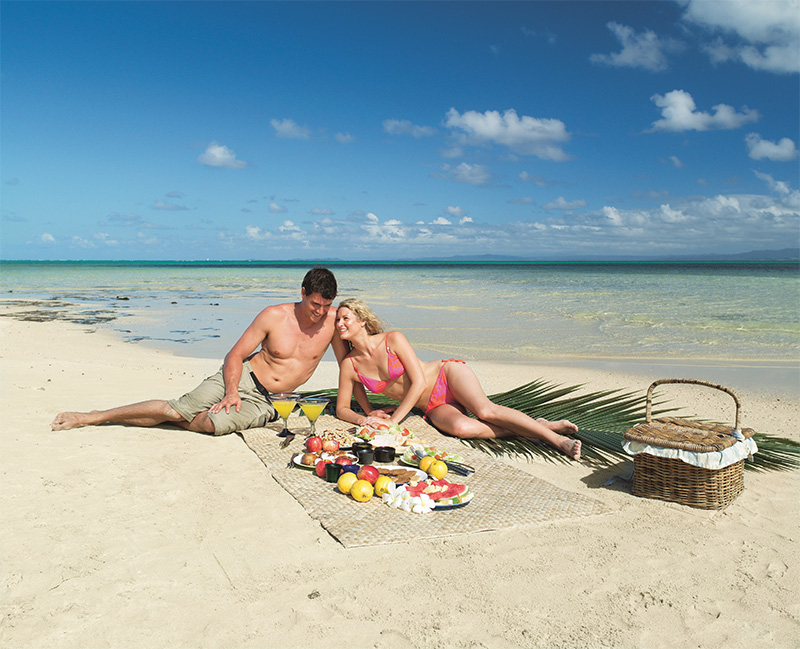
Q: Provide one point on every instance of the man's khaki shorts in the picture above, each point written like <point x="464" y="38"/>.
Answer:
<point x="256" y="409"/>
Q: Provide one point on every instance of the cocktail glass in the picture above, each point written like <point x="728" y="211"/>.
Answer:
<point x="284" y="403"/>
<point x="313" y="407"/>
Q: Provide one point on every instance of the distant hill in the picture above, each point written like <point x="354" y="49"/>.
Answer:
<point x="785" y="254"/>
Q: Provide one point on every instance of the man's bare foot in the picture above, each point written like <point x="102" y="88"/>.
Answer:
<point x="67" y="420"/>
<point x="571" y="448"/>
<point x="562" y="427"/>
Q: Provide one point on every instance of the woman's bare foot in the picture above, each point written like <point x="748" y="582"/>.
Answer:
<point x="562" y="427"/>
<point x="67" y="420"/>
<point x="571" y="448"/>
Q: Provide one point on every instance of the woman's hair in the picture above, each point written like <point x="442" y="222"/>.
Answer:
<point x="374" y="325"/>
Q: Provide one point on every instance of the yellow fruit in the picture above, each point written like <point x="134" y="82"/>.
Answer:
<point x="361" y="490"/>
<point x="382" y="485"/>
<point x="426" y="462"/>
<point x="346" y="481"/>
<point x="437" y="469"/>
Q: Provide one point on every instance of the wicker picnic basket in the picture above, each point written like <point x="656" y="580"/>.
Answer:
<point x="678" y="481"/>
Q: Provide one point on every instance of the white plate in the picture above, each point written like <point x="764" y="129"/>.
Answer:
<point x="310" y="467"/>
<point x="421" y="475"/>
<point x="466" y="500"/>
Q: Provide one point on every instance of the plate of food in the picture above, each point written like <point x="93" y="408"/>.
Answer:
<point x="389" y="435"/>
<point x="446" y="494"/>
<point x="402" y="474"/>
<point x="309" y="460"/>
<point x="440" y="454"/>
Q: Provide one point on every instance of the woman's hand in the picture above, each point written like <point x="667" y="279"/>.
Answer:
<point x="383" y="413"/>
<point x="374" y="422"/>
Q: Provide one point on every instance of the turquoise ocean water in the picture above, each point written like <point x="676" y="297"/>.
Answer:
<point x="509" y="312"/>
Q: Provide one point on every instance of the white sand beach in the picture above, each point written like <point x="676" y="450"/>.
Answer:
<point x="121" y="537"/>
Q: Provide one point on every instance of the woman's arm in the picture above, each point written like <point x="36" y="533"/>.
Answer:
<point x="417" y="383"/>
<point x="344" y="396"/>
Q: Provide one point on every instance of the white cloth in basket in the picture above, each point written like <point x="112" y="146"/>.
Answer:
<point x="711" y="460"/>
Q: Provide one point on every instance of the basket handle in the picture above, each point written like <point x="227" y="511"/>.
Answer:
<point x="649" y="409"/>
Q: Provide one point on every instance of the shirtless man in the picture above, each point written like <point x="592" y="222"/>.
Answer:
<point x="293" y="339"/>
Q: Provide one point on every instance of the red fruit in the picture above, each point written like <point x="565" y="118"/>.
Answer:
<point x="330" y="445"/>
<point x="344" y="460"/>
<point x="319" y="469"/>
<point x="368" y="473"/>
<point x="314" y="444"/>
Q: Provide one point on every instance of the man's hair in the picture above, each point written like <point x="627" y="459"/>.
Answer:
<point x="320" y="280"/>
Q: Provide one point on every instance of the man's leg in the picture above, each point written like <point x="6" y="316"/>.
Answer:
<point x="200" y="424"/>
<point x="144" y="413"/>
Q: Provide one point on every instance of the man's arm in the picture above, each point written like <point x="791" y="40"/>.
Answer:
<point x="232" y="366"/>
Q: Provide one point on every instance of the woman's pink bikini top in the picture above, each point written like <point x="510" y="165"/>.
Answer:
<point x="396" y="370"/>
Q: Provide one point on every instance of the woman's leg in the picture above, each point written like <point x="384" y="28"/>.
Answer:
<point x="494" y="420"/>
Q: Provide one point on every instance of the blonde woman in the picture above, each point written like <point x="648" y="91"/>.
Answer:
<point x="385" y="363"/>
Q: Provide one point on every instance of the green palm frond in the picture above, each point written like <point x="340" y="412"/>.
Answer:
<point x="602" y="417"/>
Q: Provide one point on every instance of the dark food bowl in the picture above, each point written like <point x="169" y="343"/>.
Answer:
<point x="361" y="446"/>
<point x="384" y="454"/>
<point x="366" y="456"/>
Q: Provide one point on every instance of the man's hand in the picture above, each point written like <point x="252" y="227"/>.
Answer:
<point x="230" y="401"/>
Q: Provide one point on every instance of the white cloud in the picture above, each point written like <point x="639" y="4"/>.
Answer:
<point x="255" y="233"/>
<point x="525" y="177"/>
<point x="452" y="152"/>
<point x="218" y="155"/>
<point x="169" y="207"/>
<point x="720" y="223"/>
<point x="676" y="162"/>
<point x="760" y="149"/>
<point x="644" y="50"/>
<point x="344" y="138"/>
<point x="777" y="186"/>
<point x="46" y="237"/>
<point x="562" y="204"/>
<point x="524" y="200"/>
<point x="455" y="211"/>
<point x="680" y="114"/>
<point x="765" y="33"/>
<point x="287" y="128"/>
<point x="523" y="135"/>
<point x="81" y="242"/>
<point x="288" y="226"/>
<point x="105" y="238"/>
<point x="322" y="211"/>
<point x="467" y="174"/>
<point x="405" y="127"/>
<point x="277" y="209"/>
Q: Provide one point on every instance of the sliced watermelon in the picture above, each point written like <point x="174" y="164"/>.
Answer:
<point x="417" y="489"/>
<point x="453" y="491"/>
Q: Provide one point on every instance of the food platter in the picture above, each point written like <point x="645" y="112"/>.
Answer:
<point x="420" y="475"/>
<point x="464" y="499"/>
<point x="410" y="459"/>
<point x="297" y="461"/>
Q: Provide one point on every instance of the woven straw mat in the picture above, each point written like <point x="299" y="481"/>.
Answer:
<point x="505" y="496"/>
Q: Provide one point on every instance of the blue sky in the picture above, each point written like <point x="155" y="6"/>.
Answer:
<point x="398" y="130"/>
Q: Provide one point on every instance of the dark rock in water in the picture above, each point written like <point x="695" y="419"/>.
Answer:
<point x="123" y="298"/>
<point x="173" y="302"/>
